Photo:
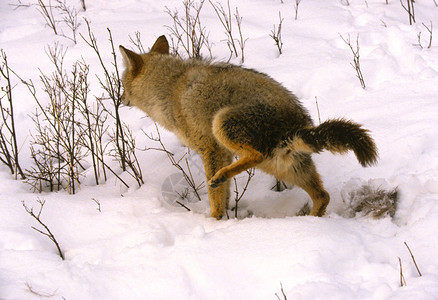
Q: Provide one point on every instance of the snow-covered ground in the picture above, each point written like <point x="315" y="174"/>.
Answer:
<point x="138" y="246"/>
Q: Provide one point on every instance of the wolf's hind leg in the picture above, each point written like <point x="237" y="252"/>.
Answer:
<point x="232" y="129"/>
<point x="214" y="159"/>
<point x="248" y="159"/>
<point x="319" y="195"/>
<point x="307" y="178"/>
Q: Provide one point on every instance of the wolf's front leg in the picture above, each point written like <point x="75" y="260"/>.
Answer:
<point x="219" y="199"/>
<point x="214" y="159"/>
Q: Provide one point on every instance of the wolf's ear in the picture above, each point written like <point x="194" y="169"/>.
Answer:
<point x="133" y="62"/>
<point x="161" y="45"/>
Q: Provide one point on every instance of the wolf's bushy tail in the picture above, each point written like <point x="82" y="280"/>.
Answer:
<point x="339" y="136"/>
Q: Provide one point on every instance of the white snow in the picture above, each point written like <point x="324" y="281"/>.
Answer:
<point x="141" y="246"/>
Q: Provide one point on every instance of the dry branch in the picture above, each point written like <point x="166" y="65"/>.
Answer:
<point x="413" y="259"/>
<point x="8" y="138"/>
<point x="37" y="217"/>
<point x="282" y="292"/>
<point x="402" y="277"/>
<point x="276" y="35"/>
<point x="410" y="10"/>
<point x="297" y="3"/>
<point x="356" y="58"/>
<point x="238" y="195"/>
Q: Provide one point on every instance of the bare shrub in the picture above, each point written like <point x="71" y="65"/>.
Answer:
<point x="93" y="128"/>
<point x="136" y="41"/>
<point x="226" y="19"/>
<point x="121" y="138"/>
<point x="69" y="16"/>
<point x="8" y="135"/>
<point x="130" y="158"/>
<point x="276" y="35"/>
<point x="55" y="147"/>
<point x="187" y="31"/>
<point x="241" y="41"/>
<point x="55" y="13"/>
<point x="356" y="58"/>
<point x="68" y="132"/>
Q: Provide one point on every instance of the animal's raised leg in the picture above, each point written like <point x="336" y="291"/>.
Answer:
<point x="232" y="129"/>
<point x="249" y="158"/>
<point x="214" y="159"/>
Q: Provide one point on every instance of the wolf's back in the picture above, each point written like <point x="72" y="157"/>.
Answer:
<point x="339" y="136"/>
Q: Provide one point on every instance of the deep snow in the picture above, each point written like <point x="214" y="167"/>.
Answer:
<point x="139" y="246"/>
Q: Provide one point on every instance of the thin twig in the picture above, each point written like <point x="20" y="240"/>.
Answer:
<point x="317" y="108"/>
<point x="402" y="277"/>
<point x="430" y="33"/>
<point x="413" y="258"/>
<point x="250" y="173"/>
<point x="282" y="292"/>
<point x="188" y="209"/>
<point x="297" y="3"/>
<point x="98" y="204"/>
<point x="276" y="35"/>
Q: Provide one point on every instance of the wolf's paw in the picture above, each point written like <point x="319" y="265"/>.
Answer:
<point x="217" y="215"/>
<point x="216" y="182"/>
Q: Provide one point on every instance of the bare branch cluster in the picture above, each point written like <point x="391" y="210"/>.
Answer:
<point x="136" y="41"/>
<point x="129" y="154"/>
<point x="58" y="12"/>
<point x="56" y="147"/>
<point x="356" y="58"/>
<point x="226" y="19"/>
<point x="121" y="138"/>
<point x="276" y="35"/>
<point x="187" y="31"/>
<point x="186" y="172"/>
<point x="8" y="135"/>
<point x="68" y="131"/>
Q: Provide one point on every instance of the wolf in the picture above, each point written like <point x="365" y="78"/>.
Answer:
<point x="224" y="111"/>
